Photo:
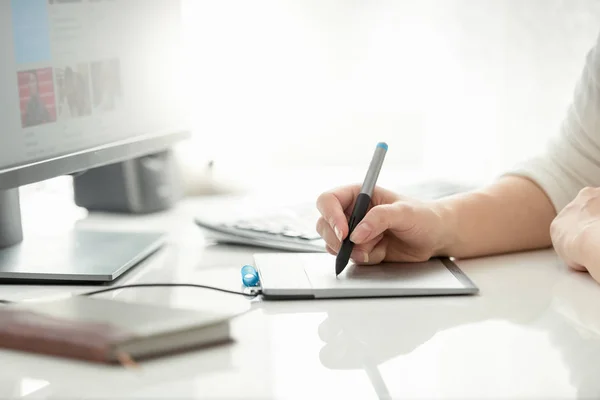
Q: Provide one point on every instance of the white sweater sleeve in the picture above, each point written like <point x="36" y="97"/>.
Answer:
<point x="571" y="161"/>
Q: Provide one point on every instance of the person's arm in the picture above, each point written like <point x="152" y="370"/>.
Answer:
<point x="516" y="212"/>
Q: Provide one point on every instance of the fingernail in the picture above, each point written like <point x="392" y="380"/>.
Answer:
<point x="338" y="233"/>
<point x="360" y="233"/>
<point x="337" y="246"/>
<point x="366" y="256"/>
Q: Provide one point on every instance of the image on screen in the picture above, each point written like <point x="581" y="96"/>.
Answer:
<point x="106" y="84"/>
<point x="76" y="75"/>
<point x="36" y="96"/>
<point x="73" y="83"/>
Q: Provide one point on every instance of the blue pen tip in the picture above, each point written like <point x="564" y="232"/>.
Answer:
<point x="383" y="145"/>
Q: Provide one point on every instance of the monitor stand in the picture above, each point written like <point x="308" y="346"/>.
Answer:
<point x="76" y="257"/>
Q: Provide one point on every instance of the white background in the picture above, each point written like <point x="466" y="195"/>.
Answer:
<point x="457" y="87"/>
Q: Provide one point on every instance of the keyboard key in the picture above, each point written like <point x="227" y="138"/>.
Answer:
<point x="293" y="234"/>
<point x="310" y="236"/>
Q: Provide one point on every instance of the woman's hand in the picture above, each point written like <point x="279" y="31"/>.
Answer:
<point x="575" y="232"/>
<point x="394" y="229"/>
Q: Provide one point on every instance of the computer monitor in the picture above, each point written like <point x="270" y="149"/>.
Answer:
<point x="84" y="84"/>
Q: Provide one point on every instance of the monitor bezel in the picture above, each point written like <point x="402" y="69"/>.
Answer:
<point x="74" y="162"/>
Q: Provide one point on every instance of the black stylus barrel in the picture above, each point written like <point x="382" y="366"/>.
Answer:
<point x="360" y="210"/>
<point x="361" y="206"/>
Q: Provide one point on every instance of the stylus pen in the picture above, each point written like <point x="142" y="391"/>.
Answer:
<point x="361" y="206"/>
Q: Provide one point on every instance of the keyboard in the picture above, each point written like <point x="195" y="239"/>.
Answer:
<point x="290" y="229"/>
<point x="294" y="228"/>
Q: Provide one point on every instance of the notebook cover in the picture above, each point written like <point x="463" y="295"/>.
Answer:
<point x="92" y="329"/>
<point x="39" y="333"/>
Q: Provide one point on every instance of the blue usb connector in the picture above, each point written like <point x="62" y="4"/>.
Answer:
<point x="249" y="276"/>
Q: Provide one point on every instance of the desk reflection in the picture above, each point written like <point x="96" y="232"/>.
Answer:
<point x="563" y="308"/>
<point x="31" y="376"/>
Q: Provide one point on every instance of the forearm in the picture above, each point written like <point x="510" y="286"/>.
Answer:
<point x="513" y="214"/>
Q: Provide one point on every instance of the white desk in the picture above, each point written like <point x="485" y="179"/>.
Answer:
<point x="532" y="332"/>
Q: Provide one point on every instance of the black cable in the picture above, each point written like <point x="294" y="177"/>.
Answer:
<point x="252" y="294"/>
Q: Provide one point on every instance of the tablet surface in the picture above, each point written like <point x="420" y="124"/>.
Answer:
<point x="308" y="275"/>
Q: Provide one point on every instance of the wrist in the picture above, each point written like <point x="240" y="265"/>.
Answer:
<point x="447" y="240"/>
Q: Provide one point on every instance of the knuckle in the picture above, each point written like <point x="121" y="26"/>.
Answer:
<point x="588" y="191"/>
<point x="320" y="225"/>
<point x="380" y="216"/>
<point x="326" y="198"/>
<point x="584" y="190"/>
<point x="404" y="209"/>
<point x="585" y="234"/>
<point x="384" y="215"/>
<point x="322" y="199"/>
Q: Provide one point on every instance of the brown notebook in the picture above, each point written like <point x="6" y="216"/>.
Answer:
<point x="108" y="331"/>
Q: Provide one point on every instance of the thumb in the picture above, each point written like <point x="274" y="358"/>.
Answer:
<point x="380" y="218"/>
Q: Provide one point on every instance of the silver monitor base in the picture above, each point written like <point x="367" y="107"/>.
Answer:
<point x="76" y="257"/>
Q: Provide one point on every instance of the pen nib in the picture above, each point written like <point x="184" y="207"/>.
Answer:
<point x="339" y="267"/>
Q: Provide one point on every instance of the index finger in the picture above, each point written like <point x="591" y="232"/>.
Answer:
<point x="332" y="206"/>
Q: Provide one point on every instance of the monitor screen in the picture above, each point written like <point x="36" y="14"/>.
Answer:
<point x="77" y="74"/>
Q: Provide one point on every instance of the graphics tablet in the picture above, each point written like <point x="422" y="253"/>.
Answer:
<point x="312" y="275"/>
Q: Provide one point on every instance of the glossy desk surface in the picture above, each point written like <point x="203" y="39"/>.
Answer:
<point x="532" y="332"/>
